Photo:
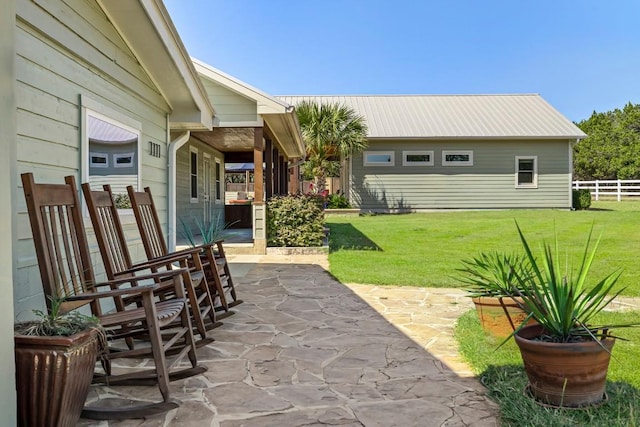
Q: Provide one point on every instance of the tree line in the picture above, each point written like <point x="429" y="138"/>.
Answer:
<point x="612" y="148"/>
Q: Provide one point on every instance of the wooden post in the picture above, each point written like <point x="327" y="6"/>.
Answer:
<point x="258" y="173"/>
<point x="268" y="149"/>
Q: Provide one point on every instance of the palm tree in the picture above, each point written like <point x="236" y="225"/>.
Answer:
<point x="330" y="132"/>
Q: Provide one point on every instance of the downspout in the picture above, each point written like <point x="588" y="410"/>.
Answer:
<point x="571" y="145"/>
<point x="172" y="150"/>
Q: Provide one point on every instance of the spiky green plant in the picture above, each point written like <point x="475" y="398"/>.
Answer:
<point x="494" y="274"/>
<point x="562" y="301"/>
<point x="209" y="232"/>
<point x="56" y="323"/>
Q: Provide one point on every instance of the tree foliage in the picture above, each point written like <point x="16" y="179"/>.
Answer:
<point x="330" y="131"/>
<point x="612" y="148"/>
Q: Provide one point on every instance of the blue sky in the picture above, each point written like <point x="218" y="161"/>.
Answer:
<point x="580" y="56"/>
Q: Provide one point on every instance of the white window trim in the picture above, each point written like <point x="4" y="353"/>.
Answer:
<point x="191" y="151"/>
<point x="98" y="165"/>
<point x="406" y="162"/>
<point x="391" y="155"/>
<point x="534" y="184"/>
<point x="446" y="153"/>
<point x="120" y="156"/>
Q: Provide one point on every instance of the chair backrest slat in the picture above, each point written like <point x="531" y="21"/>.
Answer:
<point x="58" y="234"/>
<point x="148" y="222"/>
<point x="108" y="229"/>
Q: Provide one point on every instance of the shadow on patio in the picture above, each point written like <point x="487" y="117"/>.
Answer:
<point x="305" y="349"/>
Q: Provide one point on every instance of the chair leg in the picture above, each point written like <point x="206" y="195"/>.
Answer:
<point x="157" y="348"/>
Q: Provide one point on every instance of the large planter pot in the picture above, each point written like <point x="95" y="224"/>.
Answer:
<point x="499" y="316"/>
<point x="564" y="374"/>
<point x="53" y="375"/>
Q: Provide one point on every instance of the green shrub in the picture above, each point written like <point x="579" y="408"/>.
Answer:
<point x="337" y="201"/>
<point x="294" y="221"/>
<point x="121" y="200"/>
<point x="581" y="199"/>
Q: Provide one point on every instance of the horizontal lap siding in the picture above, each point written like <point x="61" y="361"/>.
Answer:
<point x="488" y="184"/>
<point x="67" y="49"/>
<point x="229" y="105"/>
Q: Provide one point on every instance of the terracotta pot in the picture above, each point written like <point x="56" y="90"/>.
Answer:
<point x="53" y="375"/>
<point x="564" y="374"/>
<point x="499" y="315"/>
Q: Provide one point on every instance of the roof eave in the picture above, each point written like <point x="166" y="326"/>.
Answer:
<point x="147" y="29"/>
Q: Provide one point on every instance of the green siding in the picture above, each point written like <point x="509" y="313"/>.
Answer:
<point x="65" y="51"/>
<point x="488" y="184"/>
<point x="230" y="106"/>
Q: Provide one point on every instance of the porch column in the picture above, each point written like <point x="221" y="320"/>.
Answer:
<point x="258" y="173"/>
<point x="259" y="206"/>
<point x="268" y="151"/>
<point x="284" y="175"/>
<point x="294" y="183"/>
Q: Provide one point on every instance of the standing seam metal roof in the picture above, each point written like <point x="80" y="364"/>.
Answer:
<point x="518" y="116"/>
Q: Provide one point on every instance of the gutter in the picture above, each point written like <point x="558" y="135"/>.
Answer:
<point x="172" y="150"/>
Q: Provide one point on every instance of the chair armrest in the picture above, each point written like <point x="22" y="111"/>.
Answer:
<point x="135" y="290"/>
<point x="150" y="264"/>
<point x="153" y="276"/>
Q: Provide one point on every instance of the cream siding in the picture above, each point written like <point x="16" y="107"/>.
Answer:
<point x="230" y="106"/>
<point x="54" y="69"/>
<point x="489" y="183"/>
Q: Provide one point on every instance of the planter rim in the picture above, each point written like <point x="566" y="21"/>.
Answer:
<point x="53" y="340"/>
<point x="527" y="333"/>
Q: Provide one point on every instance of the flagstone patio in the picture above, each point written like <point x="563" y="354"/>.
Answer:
<point x="306" y="350"/>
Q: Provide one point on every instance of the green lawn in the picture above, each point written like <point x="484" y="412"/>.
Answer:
<point x="426" y="249"/>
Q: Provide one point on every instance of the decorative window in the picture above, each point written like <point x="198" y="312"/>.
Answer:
<point x="379" y="158"/>
<point x="110" y="147"/>
<point x="417" y="158"/>
<point x="526" y="172"/>
<point x="218" y="178"/>
<point x="457" y="158"/>
<point x="194" y="175"/>
<point x="124" y="160"/>
<point x="98" y="160"/>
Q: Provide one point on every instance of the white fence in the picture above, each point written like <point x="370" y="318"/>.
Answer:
<point x="613" y="187"/>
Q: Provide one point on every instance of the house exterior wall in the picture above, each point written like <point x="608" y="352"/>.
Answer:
<point x="7" y="195"/>
<point x="59" y="72"/>
<point x="230" y="106"/>
<point x="490" y="183"/>
<point x="187" y="209"/>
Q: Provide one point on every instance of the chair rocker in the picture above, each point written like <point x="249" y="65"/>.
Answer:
<point x="213" y="257"/>
<point x="65" y="267"/>
<point x="118" y="264"/>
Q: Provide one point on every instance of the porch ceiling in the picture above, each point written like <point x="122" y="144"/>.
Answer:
<point x="227" y="139"/>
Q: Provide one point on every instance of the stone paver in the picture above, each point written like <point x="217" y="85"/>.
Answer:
<point x="306" y="350"/>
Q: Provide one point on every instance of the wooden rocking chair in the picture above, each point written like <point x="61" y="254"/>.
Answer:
<point x="66" y="270"/>
<point x="214" y="260"/>
<point x="117" y="260"/>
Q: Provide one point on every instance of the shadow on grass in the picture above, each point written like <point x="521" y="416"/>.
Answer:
<point x="506" y="384"/>
<point x="346" y="236"/>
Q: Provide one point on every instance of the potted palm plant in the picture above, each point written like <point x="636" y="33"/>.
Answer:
<point x="55" y="358"/>
<point x="491" y="279"/>
<point x="566" y="357"/>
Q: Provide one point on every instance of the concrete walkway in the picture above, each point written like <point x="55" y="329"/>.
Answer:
<point x="306" y="350"/>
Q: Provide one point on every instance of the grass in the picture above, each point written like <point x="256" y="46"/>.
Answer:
<point x="426" y="249"/>
<point x="501" y="371"/>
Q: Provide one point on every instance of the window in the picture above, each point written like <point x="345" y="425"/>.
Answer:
<point x="379" y="158"/>
<point x="457" y="158"/>
<point x="194" y="175"/>
<point x="526" y="171"/>
<point x="123" y="160"/>
<point x="218" y="178"/>
<point x="98" y="160"/>
<point x="417" y="158"/>
<point x="110" y="147"/>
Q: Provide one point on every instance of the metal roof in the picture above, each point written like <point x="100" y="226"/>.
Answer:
<point x="520" y="116"/>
